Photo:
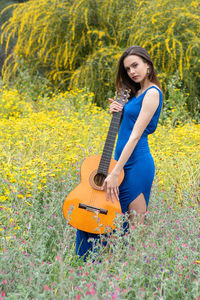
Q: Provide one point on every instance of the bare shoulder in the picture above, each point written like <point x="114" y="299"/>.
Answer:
<point x="152" y="92"/>
<point x="151" y="98"/>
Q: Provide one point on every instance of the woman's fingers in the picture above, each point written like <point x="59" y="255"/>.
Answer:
<point x="115" y="107"/>
<point x="112" y="189"/>
<point x="112" y="192"/>
<point x="116" y="193"/>
<point x="116" y="104"/>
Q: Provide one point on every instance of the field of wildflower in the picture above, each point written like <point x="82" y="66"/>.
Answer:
<point x="42" y="145"/>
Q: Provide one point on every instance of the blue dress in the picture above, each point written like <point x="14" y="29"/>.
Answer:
<point x="139" y="170"/>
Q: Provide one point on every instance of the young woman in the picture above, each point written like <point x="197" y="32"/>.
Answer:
<point x="140" y="118"/>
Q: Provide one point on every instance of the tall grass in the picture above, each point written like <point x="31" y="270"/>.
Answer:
<point x="159" y="260"/>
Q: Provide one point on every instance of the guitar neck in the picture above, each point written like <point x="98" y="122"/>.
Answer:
<point x="109" y="144"/>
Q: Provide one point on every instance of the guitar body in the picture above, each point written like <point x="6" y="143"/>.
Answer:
<point x="86" y="207"/>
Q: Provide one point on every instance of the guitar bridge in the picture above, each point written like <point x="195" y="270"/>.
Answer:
<point x="93" y="209"/>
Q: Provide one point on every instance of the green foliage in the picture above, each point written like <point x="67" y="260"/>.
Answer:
<point x="175" y="108"/>
<point x="77" y="43"/>
<point x="98" y="73"/>
<point x="3" y="4"/>
<point x="38" y="261"/>
<point x="33" y="85"/>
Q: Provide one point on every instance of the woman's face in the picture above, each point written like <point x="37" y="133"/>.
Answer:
<point x="136" y="68"/>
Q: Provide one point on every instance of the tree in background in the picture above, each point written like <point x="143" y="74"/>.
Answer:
<point x="3" y="19"/>
<point x="77" y="43"/>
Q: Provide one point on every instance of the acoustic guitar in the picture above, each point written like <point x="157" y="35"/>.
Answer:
<point x="86" y="207"/>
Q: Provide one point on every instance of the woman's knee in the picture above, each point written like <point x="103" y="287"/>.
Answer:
<point x="137" y="209"/>
<point x="138" y="205"/>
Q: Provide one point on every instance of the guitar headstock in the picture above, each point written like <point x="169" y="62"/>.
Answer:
<point x="122" y="95"/>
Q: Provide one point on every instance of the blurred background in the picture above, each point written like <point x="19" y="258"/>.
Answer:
<point x="77" y="43"/>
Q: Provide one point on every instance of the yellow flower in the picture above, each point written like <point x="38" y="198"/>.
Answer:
<point x="3" y="198"/>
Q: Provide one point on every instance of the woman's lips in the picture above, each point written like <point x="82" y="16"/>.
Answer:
<point x="134" y="77"/>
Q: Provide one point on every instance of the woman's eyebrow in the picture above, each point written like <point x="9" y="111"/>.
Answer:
<point x="131" y="65"/>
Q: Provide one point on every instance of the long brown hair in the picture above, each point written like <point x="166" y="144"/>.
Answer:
<point x="122" y="77"/>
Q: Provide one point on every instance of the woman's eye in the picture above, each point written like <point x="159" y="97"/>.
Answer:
<point x="132" y="66"/>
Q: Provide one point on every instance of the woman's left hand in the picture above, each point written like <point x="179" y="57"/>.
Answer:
<point x="111" y="186"/>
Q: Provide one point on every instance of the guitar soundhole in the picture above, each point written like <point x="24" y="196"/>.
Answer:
<point x="99" y="179"/>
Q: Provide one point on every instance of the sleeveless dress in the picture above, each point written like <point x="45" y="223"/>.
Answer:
<point x="139" y="170"/>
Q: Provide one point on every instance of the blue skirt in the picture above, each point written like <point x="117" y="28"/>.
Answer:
<point x="138" y="178"/>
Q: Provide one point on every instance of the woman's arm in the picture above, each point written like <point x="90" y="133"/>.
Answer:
<point x="149" y="105"/>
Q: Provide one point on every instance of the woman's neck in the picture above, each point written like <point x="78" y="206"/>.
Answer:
<point x="145" y="85"/>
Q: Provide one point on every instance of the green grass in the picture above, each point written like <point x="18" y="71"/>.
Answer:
<point x="158" y="261"/>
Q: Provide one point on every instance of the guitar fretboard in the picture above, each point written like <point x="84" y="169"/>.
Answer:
<point x="109" y="144"/>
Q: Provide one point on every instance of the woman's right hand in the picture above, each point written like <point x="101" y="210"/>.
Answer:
<point x="115" y="106"/>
